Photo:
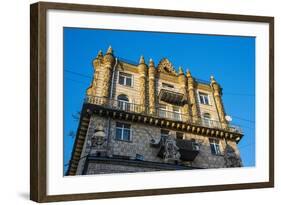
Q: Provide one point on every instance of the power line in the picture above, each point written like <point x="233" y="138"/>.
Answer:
<point x="76" y="73"/>
<point x="77" y="81"/>
<point x="240" y="118"/>
<point x="239" y="94"/>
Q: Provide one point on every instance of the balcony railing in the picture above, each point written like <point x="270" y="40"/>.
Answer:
<point x="158" y="112"/>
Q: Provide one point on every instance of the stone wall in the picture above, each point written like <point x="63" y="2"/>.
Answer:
<point x="140" y="144"/>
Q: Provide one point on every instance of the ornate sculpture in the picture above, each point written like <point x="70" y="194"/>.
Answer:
<point x="98" y="145"/>
<point x="171" y="152"/>
<point x="165" y="66"/>
<point x="231" y="158"/>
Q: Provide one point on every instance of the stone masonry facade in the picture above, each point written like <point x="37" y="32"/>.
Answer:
<point x="142" y="117"/>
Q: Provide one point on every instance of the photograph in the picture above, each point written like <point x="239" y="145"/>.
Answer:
<point x="144" y="101"/>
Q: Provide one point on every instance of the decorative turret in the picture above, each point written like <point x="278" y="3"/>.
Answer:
<point x="97" y="64"/>
<point x="142" y="67"/>
<point x="192" y="97"/>
<point x="106" y="70"/>
<point x="151" y="87"/>
<point x="98" y="60"/>
<point x="180" y="71"/>
<point x="217" y="91"/>
<point x="183" y="88"/>
<point x="109" y="58"/>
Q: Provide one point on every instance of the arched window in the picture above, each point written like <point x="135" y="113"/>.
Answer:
<point x="207" y="119"/>
<point x="123" y="102"/>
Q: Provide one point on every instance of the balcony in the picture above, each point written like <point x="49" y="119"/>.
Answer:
<point x="159" y="114"/>
<point x="188" y="149"/>
<point x="171" y="97"/>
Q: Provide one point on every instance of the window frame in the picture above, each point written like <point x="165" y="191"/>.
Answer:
<point x="125" y="105"/>
<point x="125" y="78"/>
<point x="177" y="113"/>
<point x="200" y="93"/>
<point x="215" y="145"/>
<point x="122" y="131"/>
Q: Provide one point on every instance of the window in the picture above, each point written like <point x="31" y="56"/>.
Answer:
<point x="166" y="85"/>
<point x="123" y="131"/>
<point x="179" y="135"/>
<point x="207" y="119"/>
<point x="125" y="79"/>
<point x="123" y="102"/>
<point x="204" y="98"/>
<point x="215" y="147"/>
<point x="162" y="110"/>
<point x="176" y="113"/>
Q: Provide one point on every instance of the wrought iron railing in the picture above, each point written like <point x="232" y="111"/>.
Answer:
<point x="158" y="112"/>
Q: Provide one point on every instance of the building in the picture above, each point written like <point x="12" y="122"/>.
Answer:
<point x="142" y="117"/>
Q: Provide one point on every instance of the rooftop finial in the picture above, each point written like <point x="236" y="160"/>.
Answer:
<point x="109" y="50"/>
<point x="151" y="63"/>
<point x="141" y="60"/>
<point x="99" y="54"/>
<point x="188" y="74"/>
<point x="213" y="79"/>
<point x="180" y="70"/>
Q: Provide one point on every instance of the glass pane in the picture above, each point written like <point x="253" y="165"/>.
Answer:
<point x="206" y="100"/>
<point x="129" y="81"/>
<point x="121" y="105"/>
<point x="213" y="149"/>
<point x="127" y="106"/>
<point x="201" y="99"/>
<point x="118" y="133"/>
<point x="177" y="116"/>
<point x="217" y="149"/>
<point x="162" y="113"/>
<point x="121" y="80"/>
<point x="126" y="134"/>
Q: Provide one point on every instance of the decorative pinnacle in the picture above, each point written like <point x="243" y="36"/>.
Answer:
<point x="180" y="70"/>
<point x="213" y="79"/>
<point x="99" y="54"/>
<point x="188" y="74"/>
<point x="109" y="50"/>
<point x="151" y="63"/>
<point x="141" y="60"/>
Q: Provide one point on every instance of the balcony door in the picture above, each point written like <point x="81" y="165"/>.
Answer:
<point x="207" y="119"/>
<point x="176" y="113"/>
<point x="123" y="102"/>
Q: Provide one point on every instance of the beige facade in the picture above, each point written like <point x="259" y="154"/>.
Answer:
<point x="143" y="117"/>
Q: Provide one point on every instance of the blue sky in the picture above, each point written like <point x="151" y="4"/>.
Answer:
<point x="231" y="59"/>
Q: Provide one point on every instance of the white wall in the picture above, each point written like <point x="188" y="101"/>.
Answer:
<point x="14" y="109"/>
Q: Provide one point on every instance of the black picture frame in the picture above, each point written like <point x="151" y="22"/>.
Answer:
<point x="38" y="102"/>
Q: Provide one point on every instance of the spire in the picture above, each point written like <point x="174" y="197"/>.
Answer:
<point x="180" y="70"/>
<point x="213" y="79"/>
<point x="109" y="58"/>
<point x="109" y="50"/>
<point x="188" y="74"/>
<point x="100" y="55"/>
<point x="141" y="60"/>
<point x="151" y="63"/>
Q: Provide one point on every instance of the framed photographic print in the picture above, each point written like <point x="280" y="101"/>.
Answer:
<point x="135" y="102"/>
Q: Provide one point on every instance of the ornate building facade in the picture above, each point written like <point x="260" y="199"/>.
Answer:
<point x="143" y="117"/>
